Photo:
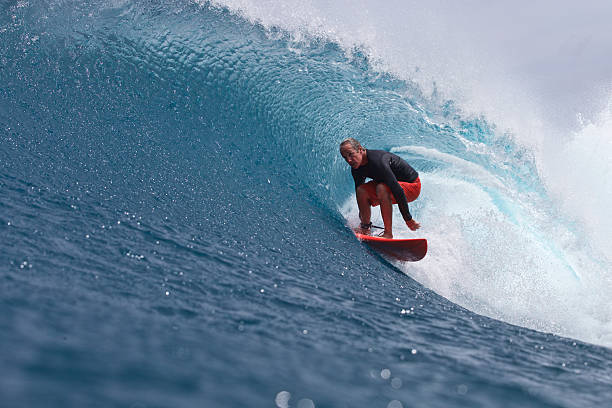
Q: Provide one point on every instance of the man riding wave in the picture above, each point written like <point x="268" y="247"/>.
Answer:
<point x="393" y="182"/>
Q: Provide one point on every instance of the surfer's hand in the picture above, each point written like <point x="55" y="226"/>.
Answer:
<point x="413" y="225"/>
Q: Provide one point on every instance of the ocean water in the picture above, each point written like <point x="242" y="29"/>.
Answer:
<point x="174" y="215"/>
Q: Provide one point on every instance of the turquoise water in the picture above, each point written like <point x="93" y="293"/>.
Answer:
<point x="174" y="228"/>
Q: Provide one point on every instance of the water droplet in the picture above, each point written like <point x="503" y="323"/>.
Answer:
<point x="282" y="399"/>
<point x="306" y="403"/>
<point x="395" y="404"/>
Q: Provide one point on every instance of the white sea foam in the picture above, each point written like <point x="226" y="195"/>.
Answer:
<point x="579" y="175"/>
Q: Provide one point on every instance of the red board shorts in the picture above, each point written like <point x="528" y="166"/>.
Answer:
<point x="411" y="190"/>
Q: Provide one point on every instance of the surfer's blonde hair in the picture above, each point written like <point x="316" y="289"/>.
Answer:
<point x="352" y="142"/>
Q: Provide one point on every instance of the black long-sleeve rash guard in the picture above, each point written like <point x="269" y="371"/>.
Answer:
<point x="388" y="168"/>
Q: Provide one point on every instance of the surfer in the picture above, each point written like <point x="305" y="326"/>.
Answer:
<point x="393" y="182"/>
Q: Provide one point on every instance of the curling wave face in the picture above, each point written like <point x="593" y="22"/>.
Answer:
<point x="171" y="174"/>
<point x="263" y="102"/>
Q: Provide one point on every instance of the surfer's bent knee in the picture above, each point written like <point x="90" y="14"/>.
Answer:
<point x="382" y="190"/>
<point x="362" y="191"/>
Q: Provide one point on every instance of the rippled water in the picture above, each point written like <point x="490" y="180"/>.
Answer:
<point x="173" y="228"/>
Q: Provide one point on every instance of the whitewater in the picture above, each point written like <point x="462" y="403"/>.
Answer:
<point x="175" y="215"/>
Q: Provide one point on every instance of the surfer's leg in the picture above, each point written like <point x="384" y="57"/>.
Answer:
<point x="386" y="208"/>
<point x="363" y="202"/>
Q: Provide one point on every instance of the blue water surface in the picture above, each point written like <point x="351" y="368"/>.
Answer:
<point x="171" y="237"/>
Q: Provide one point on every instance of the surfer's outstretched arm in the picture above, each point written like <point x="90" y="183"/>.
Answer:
<point x="400" y="197"/>
<point x="391" y="181"/>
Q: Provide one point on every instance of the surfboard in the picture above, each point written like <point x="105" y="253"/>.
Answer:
<point x="410" y="250"/>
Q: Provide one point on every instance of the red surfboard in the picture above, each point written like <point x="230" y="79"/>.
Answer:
<point x="410" y="250"/>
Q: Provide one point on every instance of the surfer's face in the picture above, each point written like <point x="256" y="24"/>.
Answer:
<point x="353" y="157"/>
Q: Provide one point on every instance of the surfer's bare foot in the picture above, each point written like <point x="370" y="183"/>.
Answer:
<point x="387" y="235"/>
<point x="364" y="229"/>
<point x="413" y="225"/>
